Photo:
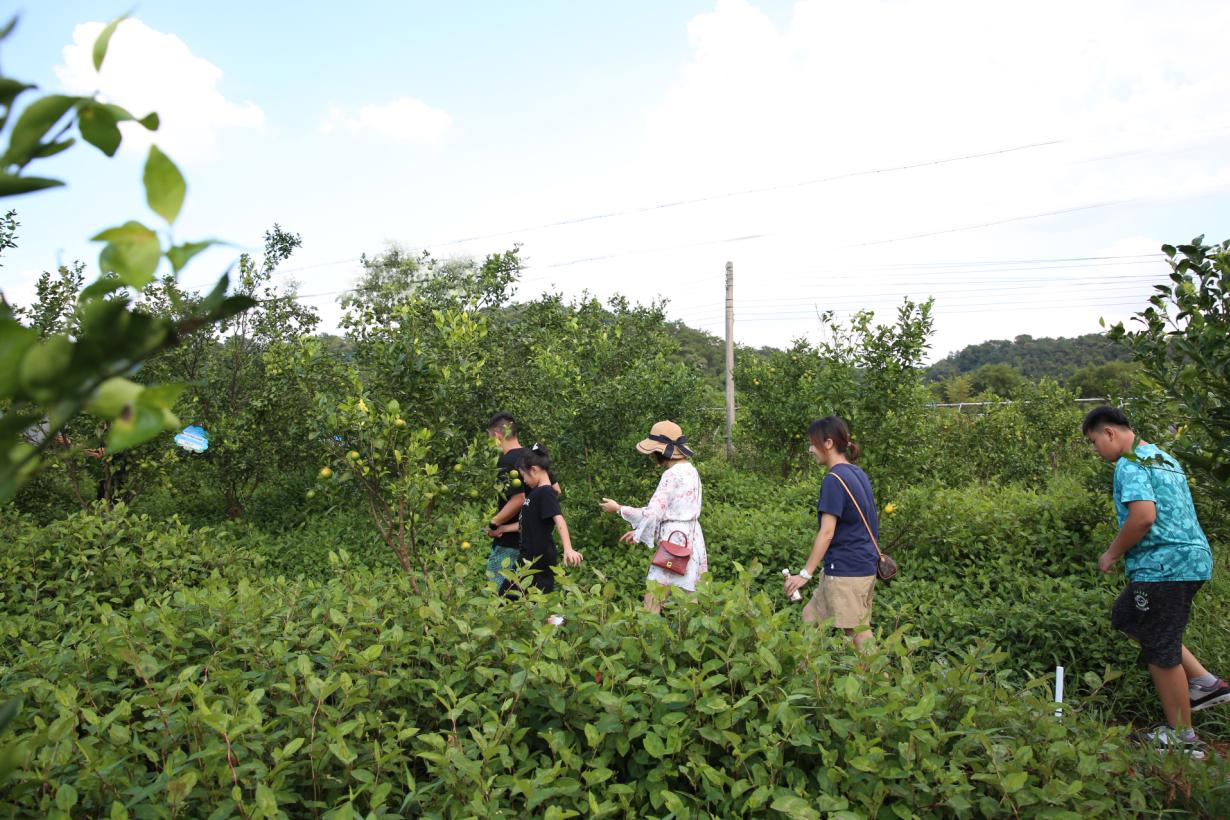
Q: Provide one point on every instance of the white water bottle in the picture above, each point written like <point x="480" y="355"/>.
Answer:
<point x="794" y="596"/>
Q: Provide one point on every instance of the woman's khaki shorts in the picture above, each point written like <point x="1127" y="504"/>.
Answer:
<point x="845" y="599"/>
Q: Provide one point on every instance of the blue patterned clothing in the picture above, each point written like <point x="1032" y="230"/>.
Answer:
<point x="501" y="560"/>
<point x="1175" y="547"/>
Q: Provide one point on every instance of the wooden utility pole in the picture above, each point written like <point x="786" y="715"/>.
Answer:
<point x="730" y="359"/>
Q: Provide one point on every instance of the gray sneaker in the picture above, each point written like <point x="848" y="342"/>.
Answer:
<point x="1165" y="739"/>
<point x="1215" y="695"/>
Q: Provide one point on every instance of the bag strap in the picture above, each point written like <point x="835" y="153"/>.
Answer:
<point x="874" y="542"/>
<point x="685" y="544"/>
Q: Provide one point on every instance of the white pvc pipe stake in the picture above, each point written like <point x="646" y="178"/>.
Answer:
<point x="1058" y="691"/>
<point x="795" y="596"/>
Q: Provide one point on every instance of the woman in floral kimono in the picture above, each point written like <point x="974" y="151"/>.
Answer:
<point x="674" y="507"/>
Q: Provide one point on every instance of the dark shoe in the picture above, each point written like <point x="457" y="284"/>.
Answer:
<point x="1215" y="695"/>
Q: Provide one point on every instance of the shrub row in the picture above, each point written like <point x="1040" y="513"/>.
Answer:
<point x="352" y="696"/>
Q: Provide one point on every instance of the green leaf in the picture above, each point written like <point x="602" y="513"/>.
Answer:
<point x="135" y="425"/>
<point x="8" y="711"/>
<point x="120" y="113"/>
<point x="342" y="752"/>
<point x="35" y="121"/>
<point x="50" y="149"/>
<point x="181" y="254"/>
<point x="164" y="185"/>
<point x="1015" y="781"/>
<point x="101" y="287"/>
<point x="9" y="91"/>
<point x="99" y="127"/>
<point x="232" y="306"/>
<point x="103" y="40"/>
<point x="112" y="396"/>
<point x="266" y="801"/>
<point x="654" y="745"/>
<point x="66" y="797"/>
<point x="795" y="807"/>
<point x="150" y="121"/>
<point x="132" y="253"/>
<point x="161" y="395"/>
<point x="44" y="363"/>
<point x="11" y="185"/>
<point x="15" y="340"/>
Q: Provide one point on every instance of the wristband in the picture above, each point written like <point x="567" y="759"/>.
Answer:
<point x="805" y="575"/>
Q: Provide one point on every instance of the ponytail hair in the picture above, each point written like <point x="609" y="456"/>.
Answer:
<point x="834" y="428"/>
<point x="535" y="457"/>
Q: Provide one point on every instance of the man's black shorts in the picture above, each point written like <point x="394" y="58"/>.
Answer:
<point x="1156" y="613"/>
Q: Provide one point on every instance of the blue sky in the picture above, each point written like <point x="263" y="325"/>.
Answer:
<point x="368" y="123"/>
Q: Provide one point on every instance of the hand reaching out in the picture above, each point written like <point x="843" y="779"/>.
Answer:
<point x="609" y="505"/>
<point x="628" y="538"/>
<point x="572" y="558"/>
<point x="794" y="583"/>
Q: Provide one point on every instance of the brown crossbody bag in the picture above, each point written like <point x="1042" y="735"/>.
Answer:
<point x="886" y="569"/>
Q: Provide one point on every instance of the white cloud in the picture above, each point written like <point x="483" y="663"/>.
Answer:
<point x="149" y="70"/>
<point x="1129" y="87"/>
<point x="402" y="119"/>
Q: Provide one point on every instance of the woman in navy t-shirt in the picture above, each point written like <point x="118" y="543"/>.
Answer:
<point x="843" y="549"/>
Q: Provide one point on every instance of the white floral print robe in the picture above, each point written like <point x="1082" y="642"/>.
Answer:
<point x="675" y="506"/>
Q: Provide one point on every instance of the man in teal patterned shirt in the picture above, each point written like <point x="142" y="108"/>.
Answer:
<point x="1168" y="559"/>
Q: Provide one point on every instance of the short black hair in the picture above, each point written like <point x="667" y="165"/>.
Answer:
<point x="1104" y="416"/>
<point x="505" y="422"/>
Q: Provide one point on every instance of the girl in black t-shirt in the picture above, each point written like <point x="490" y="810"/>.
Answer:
<point x="540" y="517"/>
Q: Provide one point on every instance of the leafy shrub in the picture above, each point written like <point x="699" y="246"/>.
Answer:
<point x="1035" y="531"/>
<point x="355" y="695"/>
<point x="53" y="578"/>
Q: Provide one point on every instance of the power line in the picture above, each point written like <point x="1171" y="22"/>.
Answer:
<point x="746" y="191"/>
<point x="1111" y="285"/>
<point x="980" y="225"/>
<point x="712" y="277"/>
<point x="1023" y="308"/>
<point x="762" y="189"/>
<point x="695" y="201"/>
<point x="947" y="307"/>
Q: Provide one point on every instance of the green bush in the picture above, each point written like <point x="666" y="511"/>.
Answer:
<point x="1047" y="530"/>
<point x="54" y="578"/>
<point x="353" y="696"/>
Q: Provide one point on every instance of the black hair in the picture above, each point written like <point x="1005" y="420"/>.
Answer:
<point x="835" y="428"/>
<point x="1104" y="416"/>
<point x="661" y="459"/>
<point x="535" y="456"/>
<point x="505" y="423"/>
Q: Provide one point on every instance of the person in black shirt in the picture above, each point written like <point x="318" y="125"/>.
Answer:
<point x="540" y="517"/>
<point x="505" y="541"/>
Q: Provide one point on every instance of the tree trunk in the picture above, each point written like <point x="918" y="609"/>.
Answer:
<point x="234" y="508"/>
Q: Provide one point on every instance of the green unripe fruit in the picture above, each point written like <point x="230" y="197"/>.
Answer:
<point x="311" y="494"/>
<point x="514" y="474"/>
<point x="353" y="455"/>
<point x="473" y="493"/>
<point x="400" y="422"/>
<point x="457" y="468"/>
<point x="325" y="472"/>
<point x="516" y="482"/>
